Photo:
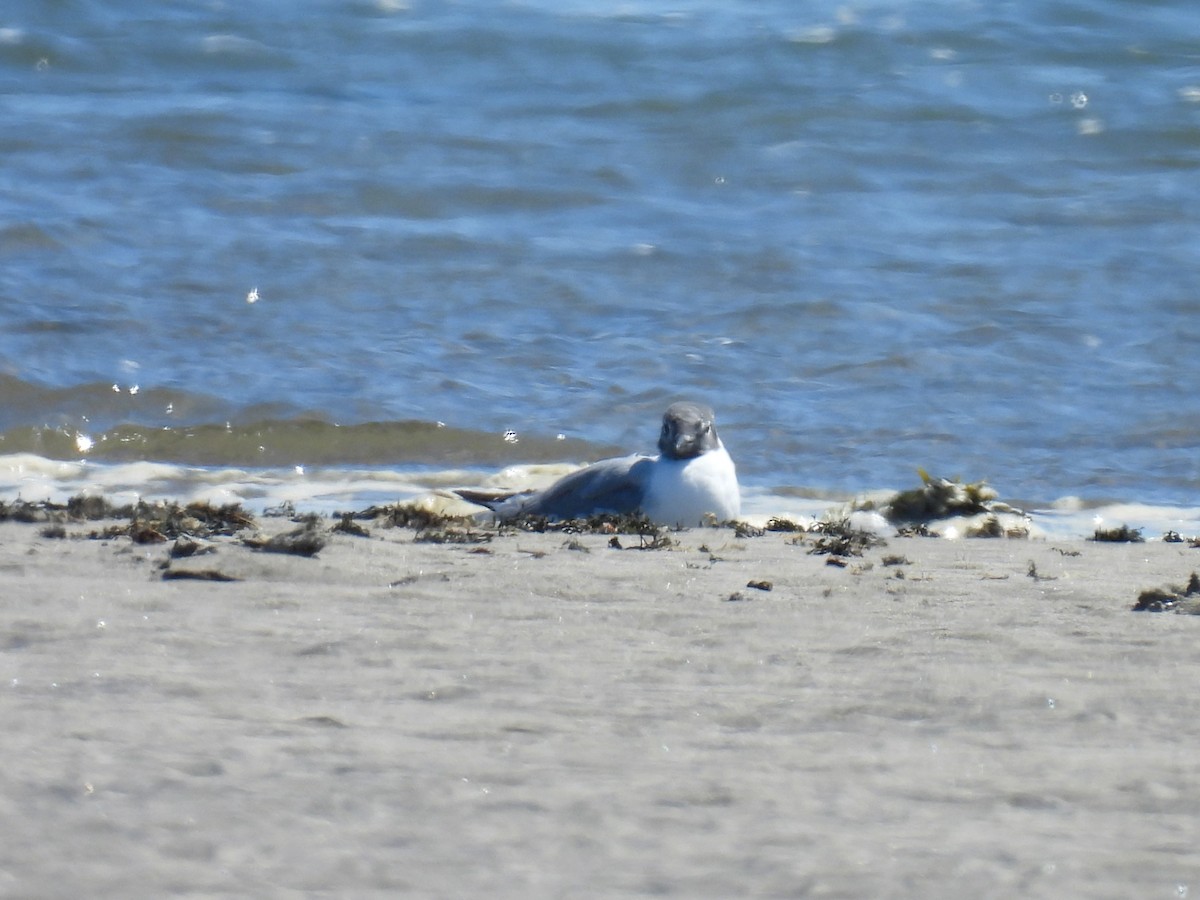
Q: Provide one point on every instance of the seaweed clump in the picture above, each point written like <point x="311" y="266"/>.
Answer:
<point x="940" y="498"/>
<point x="93" y="508"/>
<point x="431" y="526"/>
<point x="598" y="523"/>
<point x="650" y="535"/>
<point x="1174" y="598"/>
<point x="452" y="536"/>
<point x="409" y="515"/>
<point x="26" y="512"/>
<point x="776" y="523"/>
<point x="307" y="540"/>
<point x="1122" y="535"/>
<point x="842" y="539"/>
<point x="159" y="522"/>
<point x="80" y="508"/>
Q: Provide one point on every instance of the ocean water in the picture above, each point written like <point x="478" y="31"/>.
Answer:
<point x="397" y="241"/>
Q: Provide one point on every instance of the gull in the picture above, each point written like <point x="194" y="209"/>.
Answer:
<point x="690" y="481"/>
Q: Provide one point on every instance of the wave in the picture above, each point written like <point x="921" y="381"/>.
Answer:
<point x="294" y="442"/>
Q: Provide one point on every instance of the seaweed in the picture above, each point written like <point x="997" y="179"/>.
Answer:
<point x="1033" y="573"/>
<point x="776" y="523"/>
<point x="941" y="498"/>
<point x="185" y="547"/>
<point x="452" y="536"/>
<point x="196" y="575"/>
<point x="842" y="539"/>
<point x="26" y="512"/>
<point x="159" y="522"/>
<point x="1122" y="535"/>
<point x="938" y="498"/>
<point x="78" y="508"/>
<point x="94" y="507"/>
<point x="659" y="540"/>
<point x="746" y="530"/>
<point x="408" y="515"/>
<point x="650" y="536"/>
<point x="347" y="525"/>
<point x="1171" y="597"/>
<point x="990" y="527"/>
<point x="598" y="523"/>
<point x="307" y="540"/>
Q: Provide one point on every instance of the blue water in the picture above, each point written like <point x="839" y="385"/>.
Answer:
<point x="875" y="236"/>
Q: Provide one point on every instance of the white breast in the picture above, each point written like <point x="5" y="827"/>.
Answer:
<point x="684" y="492"/>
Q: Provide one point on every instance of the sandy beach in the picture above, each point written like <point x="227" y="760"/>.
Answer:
<point x="544" y="715"/>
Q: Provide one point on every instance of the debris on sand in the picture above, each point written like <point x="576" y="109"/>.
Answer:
<point x="1184" y="599"/>
<point x="196" y="575"/>
<point x="776" y="523"/>
<point x="307" y="540"/>
<point x="842" y="539"/>
<point x="650" y="536"/>
<point x="941" y="498"/>
<point x="746" y="530"/>
<point x="1122" y="535"/>
<point x="347" y="525"/>
<point x="431" y="526"/>
<point x="24" y="511"/>
<point x="658" y="540"/>
<point x="154" y="523"/>
<point x="78" y="508"/>
<point x="185" y="547"/>
<point x="93" y="507"/>
<point x="408" y="515"/>
<point x="452" y="536"/>
<point x="950" y="508"/>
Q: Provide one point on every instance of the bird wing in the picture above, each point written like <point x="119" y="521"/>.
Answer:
<point x="611" y="485"/>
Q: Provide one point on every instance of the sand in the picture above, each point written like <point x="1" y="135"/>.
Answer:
<point x="524" y="718"/>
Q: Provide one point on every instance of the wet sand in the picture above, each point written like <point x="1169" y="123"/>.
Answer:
<point x="525" y="718"/>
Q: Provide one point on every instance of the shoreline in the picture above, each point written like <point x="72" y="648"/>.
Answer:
<point x="326" y="491"/>
<point x="542" y="714"/>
